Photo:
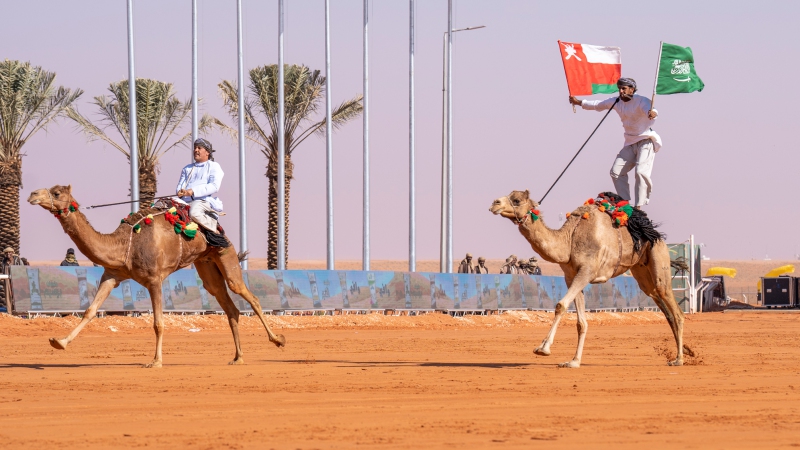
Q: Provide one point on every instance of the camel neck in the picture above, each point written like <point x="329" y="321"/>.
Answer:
<point x="552" y="245"/>
<point x="103" y="249"/>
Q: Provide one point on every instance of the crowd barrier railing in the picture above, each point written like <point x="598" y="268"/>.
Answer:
<point x="71" y="289"/>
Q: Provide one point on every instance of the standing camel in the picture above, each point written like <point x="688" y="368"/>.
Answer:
<point x="590" y="249"/>
<point x="148" y="257"/>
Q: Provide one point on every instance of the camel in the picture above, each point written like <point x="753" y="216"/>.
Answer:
<point x="148" y="256"/>
<point x="589" y="249"/>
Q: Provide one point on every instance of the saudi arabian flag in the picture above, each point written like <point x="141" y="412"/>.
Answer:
<point x="676" y="74"/>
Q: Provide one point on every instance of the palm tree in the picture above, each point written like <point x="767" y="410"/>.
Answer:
<point x="29" y="102"/>
<point x="304" y="95"/>
<point x="159" y="114"/>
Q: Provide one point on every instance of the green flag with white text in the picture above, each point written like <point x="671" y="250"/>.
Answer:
<point x="676" y="74"/>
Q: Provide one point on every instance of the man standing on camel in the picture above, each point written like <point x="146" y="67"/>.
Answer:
<point x="197" y="185"/>
<point x="641" y="142"/>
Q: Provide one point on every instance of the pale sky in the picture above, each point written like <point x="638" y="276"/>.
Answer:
<point x="725" y="173"/>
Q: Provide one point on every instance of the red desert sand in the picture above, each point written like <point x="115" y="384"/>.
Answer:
<point x="430" y="381"/>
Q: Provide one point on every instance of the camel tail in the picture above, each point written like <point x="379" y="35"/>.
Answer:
<point x="679" y="264"/>
<point x="243" y="255"/>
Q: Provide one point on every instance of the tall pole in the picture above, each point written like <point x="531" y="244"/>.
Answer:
<point x="328" y="136"/>
<point x="281" y="148"/>
<point x="449" y="136"/>
<point x="446" y="116"/>
<point x="365" y="256"/>
<point x="134" y="135"/>
<point x="242" y="156"/>
<point x="443" y="217"/>
<point x="194" y="76"/>
<point x="412" y="226"/>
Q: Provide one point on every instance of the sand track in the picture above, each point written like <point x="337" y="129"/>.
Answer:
<point x="403" y="382"/>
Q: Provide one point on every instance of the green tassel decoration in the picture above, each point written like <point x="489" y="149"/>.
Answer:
<point x="190" y="233"/>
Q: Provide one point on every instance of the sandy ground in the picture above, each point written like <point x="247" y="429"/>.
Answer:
<point x="429" y="381"/>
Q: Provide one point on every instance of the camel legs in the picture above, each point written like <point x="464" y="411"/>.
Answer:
<point x="107" y="283"/>
<point x="656" y="281"/>
<point x="214" y="284"/>
<point x="158" y="322"/>
<point x="576" y="284"/>
<point x="228" y="264"/>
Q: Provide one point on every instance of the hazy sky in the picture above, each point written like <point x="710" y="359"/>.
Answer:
<point x="726" y="172"/>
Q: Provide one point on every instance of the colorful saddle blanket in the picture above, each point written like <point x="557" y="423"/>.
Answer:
<point x="620" y="211"/>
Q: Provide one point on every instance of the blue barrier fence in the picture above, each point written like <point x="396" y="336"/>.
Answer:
<point x="64" y="289"/>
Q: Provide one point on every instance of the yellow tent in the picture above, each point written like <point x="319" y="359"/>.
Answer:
<point x="721" y="271"/>
<point x="778" y="271"/>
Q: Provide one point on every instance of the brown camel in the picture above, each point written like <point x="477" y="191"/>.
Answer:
<point x="148" y="257"/>
<point x="590" y="249"/>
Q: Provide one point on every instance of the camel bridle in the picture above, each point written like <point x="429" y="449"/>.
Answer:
<point x="57" y="211"/>
<point x="519" y="221"/>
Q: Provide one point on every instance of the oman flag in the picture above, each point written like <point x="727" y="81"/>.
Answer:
<point x="591" y="69"/>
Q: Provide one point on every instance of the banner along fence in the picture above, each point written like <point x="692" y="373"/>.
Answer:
<point x="71" y="289"/>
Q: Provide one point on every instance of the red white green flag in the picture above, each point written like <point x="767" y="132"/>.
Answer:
<point x="591" y="69"/>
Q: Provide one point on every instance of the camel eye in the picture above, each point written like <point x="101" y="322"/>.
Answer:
<point x="516" y="202"/>
<point x="57" y="194"/>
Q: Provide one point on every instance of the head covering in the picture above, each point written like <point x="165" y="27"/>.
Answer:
<point x="533" y="258"/>
<point x="200" y="142"/>
<point x="469" y="255"/>
<point x="8" y="249"/>
<point x="481" y="259"/>
<point x="70" y="251"/>
<point x="627" y="82"/>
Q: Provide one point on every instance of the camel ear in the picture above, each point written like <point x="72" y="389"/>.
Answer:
<point x="527" y="194"/>
<point x="69" y="189"/>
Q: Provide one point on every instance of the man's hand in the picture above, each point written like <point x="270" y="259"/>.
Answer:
<point x="575" y="101"/>
<point x="652" y="114"/>
<point x="185" y="193"/>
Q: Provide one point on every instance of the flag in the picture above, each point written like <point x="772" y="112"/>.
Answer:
<point x="676" y="72"/>
<point x="591" y="69"/>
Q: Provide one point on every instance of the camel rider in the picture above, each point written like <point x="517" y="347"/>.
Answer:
<point x="641" y="142"/>
<point x="198" y="183"/>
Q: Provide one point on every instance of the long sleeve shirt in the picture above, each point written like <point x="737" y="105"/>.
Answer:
<point x="633" y="113"/>
<point x="204" y="179"/>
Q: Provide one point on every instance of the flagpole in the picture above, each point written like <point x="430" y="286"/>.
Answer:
<point x="655" y="81"/>
<point x="564" y="65"/>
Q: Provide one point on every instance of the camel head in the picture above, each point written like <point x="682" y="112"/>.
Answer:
<point x="57" y="198"/>
<point x="513" y="206"/>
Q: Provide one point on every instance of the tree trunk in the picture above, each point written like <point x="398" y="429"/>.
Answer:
<point x="10" y="184"/>
<point x="148" y="184"/>
<point x="272" y="246"/>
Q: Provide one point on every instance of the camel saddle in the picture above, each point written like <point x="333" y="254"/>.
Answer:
<point x="217" y="239"/>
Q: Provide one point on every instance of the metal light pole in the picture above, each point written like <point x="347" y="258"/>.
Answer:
<point x="328" y="135"/>
<point x="281" y="148"/>
<point x="242" y="156"/>
<point x="449" y="136"/>
<point x="365" y="256"/>
<point x="446" y="230"/>
<point x="194" y="77"/>
<point x="412" y="230"/>
<point x="134" y="134"/>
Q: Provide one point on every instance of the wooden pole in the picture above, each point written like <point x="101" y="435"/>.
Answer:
<point x="655" y="81"/>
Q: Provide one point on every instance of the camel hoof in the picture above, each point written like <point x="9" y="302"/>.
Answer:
<point x="237" y="362"/>
<point x="570" y="365"/>
<point x="60" y="344"/>
<point x="152" y="365"/>
<point x="279" y="341"/>
<point x="688" y="351"/>
<point x="677" y="362"/>
<point x="542" y="351"/>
